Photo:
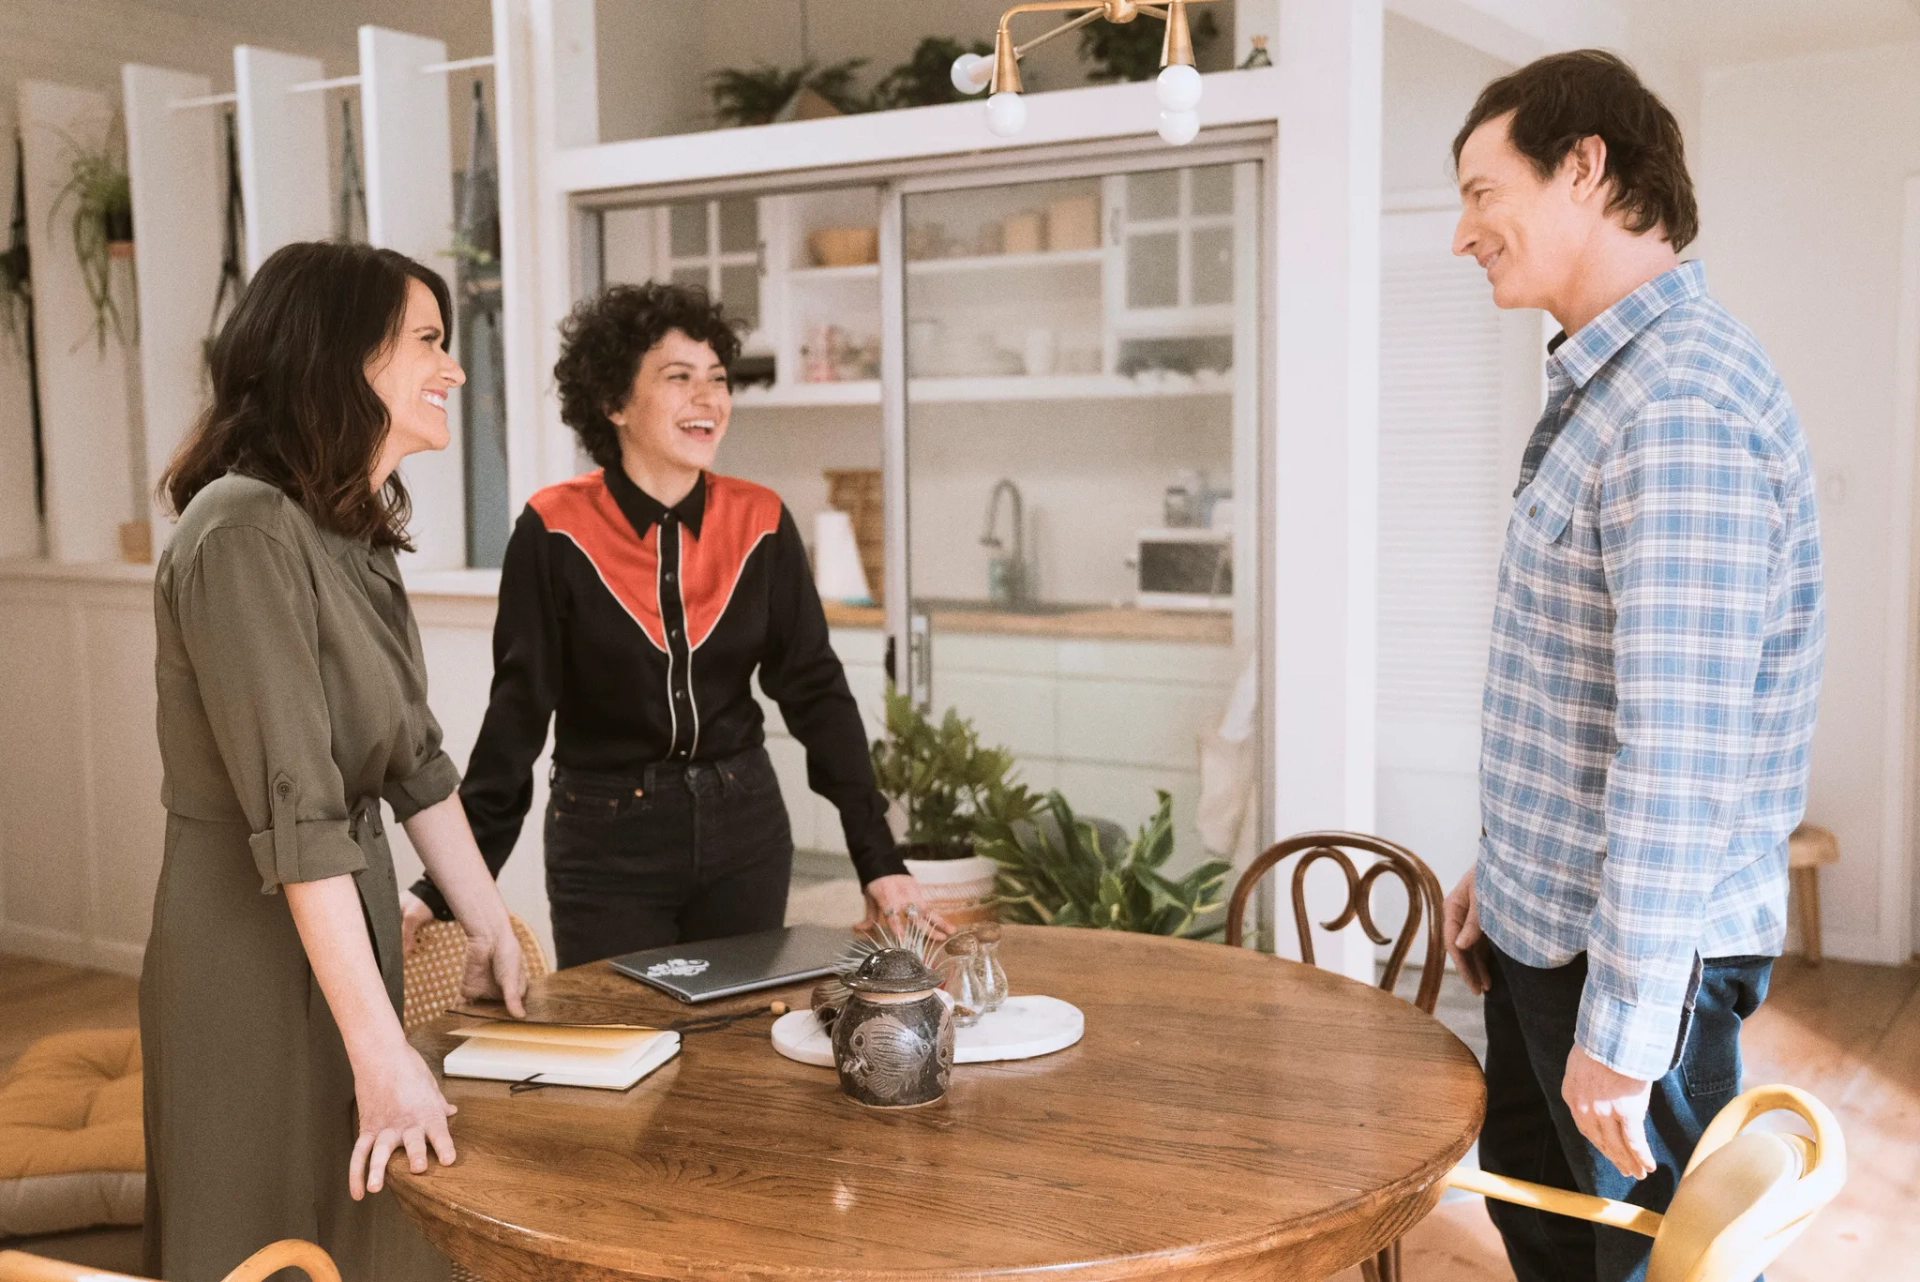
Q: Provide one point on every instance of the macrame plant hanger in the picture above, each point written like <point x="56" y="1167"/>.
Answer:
<point x="232" y="276"/>
<point x="19" y="265"/>
<point x="352" y="218"/>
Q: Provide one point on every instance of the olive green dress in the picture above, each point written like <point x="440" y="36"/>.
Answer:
<point x="292" y="699"/>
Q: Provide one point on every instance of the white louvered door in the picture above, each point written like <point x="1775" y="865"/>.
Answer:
<point x="1458" y="390"/>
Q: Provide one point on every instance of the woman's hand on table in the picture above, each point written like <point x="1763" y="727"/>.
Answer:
<point x="899" y="898"/>
<point x="414" y="914"/>
<point x="496" y="969"/>
<point x="400" y="1107"/>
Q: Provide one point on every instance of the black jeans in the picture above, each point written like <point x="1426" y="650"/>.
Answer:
<point x="686" y="851"/>
<point x="1530" y="1134"/>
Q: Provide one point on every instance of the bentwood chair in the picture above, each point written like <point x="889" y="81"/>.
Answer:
<point x="439" y="958"/>
<point x="292" y="1253"/>
<point x="1744" y="1197"/>
<point x="1423" y="903"/>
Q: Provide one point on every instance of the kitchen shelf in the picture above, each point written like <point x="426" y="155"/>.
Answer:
<point x="1060" y="387"/>
<point x="1001" y="387"/>
<point x="1007" y="262"/>
<point x="853" y="271"/>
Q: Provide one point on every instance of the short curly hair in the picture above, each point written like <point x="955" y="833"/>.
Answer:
<point x="603" y="340"/>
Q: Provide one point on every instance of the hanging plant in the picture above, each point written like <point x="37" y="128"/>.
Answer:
<point x="101" y="198"/>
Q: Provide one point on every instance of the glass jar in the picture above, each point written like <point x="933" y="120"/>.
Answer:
<point x="964" y="982"/>
<point x="992" y="978"/>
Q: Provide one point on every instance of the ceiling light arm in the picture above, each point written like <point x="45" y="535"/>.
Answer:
<point x="1179" y="81"/>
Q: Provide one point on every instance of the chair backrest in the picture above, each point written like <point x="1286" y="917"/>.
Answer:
<point x="18" y="1266"/>
<point x="438" y="960"/>
<point x="1423" y="900"/>
<point x="1746" y="1195"/>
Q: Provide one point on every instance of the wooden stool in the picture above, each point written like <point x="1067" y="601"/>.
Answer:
<point x="1807" y="849"/>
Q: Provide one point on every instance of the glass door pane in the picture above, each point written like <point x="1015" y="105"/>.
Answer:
<point x="1081" y="424"/>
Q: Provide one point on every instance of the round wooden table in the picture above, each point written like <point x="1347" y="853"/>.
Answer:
<point x="1228" y="1115"/>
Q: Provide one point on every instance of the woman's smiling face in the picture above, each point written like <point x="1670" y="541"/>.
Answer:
<point x="676" y="412"/>
<point x="412" y="376"/>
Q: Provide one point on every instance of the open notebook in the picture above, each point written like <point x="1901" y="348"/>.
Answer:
<point x="611" y="1057"/>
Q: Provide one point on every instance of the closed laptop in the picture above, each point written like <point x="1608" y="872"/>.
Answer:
<point x="713" y="968"/>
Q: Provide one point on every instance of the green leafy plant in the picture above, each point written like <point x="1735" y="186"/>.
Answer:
<point x="101" y="197"/>
<point x="925" y="79"/>
<point x="1061" y="870"/>
<point x="756" y="96"/>
<point x="1131" y="50"/>
<point x="949" y="784"/>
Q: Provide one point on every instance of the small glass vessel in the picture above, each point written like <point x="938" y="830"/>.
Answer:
<point x="992" y="978"/>
<point x="964" y="981"/>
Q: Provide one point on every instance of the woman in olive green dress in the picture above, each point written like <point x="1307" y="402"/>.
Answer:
<point x="292" y="701"/>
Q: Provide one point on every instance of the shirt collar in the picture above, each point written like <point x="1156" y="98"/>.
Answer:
<point x="1579" y="357"/>
<point x="643" y="511"/>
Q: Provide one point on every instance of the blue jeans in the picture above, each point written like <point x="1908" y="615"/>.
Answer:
<point x="1530" y="1135"/>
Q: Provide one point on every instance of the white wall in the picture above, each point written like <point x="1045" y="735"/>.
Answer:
<point x="1431" y="82"/>
<point x="1801" y="166"/>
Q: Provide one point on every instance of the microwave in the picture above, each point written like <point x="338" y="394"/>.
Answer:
<point x="1184" y="569"/>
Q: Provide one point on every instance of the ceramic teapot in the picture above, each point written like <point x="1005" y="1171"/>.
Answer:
<point x="893" y="1041"/>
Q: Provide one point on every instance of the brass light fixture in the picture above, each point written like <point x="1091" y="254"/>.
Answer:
<point x="1178" y="87"/>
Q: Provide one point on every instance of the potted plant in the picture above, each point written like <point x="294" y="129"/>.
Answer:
<point x="926" y="78"/>
<point x="1131" y="51"/>
<point x="759" y="96"/>
<point x="101" y="197"/>
<point x="947" y="785"/>
<point x="1059" y="869"/>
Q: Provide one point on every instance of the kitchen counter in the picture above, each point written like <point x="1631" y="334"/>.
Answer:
<point x="1089" y="623"/>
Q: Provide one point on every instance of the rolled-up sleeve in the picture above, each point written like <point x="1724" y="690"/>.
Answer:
<point x="1690" y="532"/>
<point x="247" y="614"/>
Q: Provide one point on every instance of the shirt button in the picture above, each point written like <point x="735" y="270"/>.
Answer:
<point x="676" y="631"/>
<point x="669" y="576"/>
<point x="1533" y="509"/>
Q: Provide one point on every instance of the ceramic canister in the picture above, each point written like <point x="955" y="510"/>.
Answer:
<point x="893" y="1041"/>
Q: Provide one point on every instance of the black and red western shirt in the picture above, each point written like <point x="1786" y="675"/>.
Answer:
<point x="638" y="627"/>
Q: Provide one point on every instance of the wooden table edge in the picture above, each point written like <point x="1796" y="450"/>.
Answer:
<point x="450" y="1227"/>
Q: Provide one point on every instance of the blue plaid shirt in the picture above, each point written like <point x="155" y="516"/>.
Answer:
<point x="1657" y="639"/>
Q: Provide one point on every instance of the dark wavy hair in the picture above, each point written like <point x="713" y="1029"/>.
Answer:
<point x="291" y="402"/>
<point x="603" y="340"/>
<point x="1564" y="97"/>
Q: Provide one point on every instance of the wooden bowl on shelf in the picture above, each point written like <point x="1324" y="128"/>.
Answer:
<point x="844" y="246"/>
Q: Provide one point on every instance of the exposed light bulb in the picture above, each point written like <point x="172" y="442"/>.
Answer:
<point x="1007" y="115"/>
<point x="1178" y="87"/>
<point x="1179" y="127"/>
<point x="963" y="73"/>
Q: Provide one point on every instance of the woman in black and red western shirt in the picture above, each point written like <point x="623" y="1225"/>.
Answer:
<point x="635" y="604"/>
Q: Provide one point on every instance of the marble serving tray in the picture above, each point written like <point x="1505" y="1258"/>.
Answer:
<point x="1022" y="1028"/>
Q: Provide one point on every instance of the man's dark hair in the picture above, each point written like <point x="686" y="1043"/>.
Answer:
<point x="291" y="402"/>
<point x="603" y="340"/>
<point x="1564" y="97"/>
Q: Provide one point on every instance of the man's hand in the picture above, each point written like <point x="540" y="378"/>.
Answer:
<point x="414" y="914"/>
<point x="1611" y="1111"/>
<point x="1465" y="944"/>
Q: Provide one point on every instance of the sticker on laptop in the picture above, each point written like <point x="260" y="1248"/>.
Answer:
<point x="678" y="968"/>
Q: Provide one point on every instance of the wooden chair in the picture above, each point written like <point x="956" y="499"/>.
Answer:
<point x="1808" y="849"/>
<point x="437" y="961"/>
<point x="1423" y="903"/>
<point x="292" y="1253"/>
<point x="433" y="973"/>
<point x="1744" y="1197"/>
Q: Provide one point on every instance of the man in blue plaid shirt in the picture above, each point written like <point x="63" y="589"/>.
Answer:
<point x="1655" y="662"/>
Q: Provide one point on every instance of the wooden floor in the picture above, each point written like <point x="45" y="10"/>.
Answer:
<point x="1848" y="1033"/>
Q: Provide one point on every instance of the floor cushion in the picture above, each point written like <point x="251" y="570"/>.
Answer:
<point x="71" y="1150"/>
